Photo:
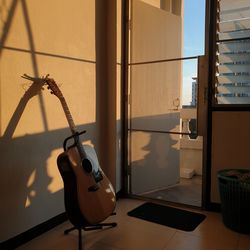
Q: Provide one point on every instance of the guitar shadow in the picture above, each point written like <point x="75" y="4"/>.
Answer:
<point x="26" y="180"/>
<point x="24" y="176"/>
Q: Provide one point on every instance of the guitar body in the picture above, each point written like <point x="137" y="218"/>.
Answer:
<point x="95" y="205"/>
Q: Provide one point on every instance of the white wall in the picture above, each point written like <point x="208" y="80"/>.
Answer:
<point x="75" y="42"/>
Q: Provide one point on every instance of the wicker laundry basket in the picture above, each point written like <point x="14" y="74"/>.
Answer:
<point x="234" y="187"/>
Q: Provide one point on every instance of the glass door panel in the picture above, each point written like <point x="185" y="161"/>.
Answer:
<point x="163" y="90"/>
<point x="154" y="161"/>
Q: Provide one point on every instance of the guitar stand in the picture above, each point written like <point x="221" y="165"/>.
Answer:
<point x="75" y="137"/>
<point x="68" y="176"/>
<point x="89" y="228"/>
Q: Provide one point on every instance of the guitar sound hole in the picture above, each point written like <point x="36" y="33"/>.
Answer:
<point x="87" y="166"/>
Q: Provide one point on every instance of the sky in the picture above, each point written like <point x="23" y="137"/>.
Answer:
<point x="194" y="34"/>
<point x="194" y="27"/>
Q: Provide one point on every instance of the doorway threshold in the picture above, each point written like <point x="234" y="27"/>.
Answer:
<point x="187" y="192"/>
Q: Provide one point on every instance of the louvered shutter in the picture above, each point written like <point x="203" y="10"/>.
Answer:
<point x="233" y="52"/>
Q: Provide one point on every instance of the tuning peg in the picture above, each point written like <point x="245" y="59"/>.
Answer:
<point x="51" y="92"/>
<point x="48" y="87"/>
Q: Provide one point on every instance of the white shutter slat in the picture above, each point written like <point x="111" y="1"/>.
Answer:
<point x="237" y="46"/>
<point x="234" y="35"/>
<point x="234" y="14"/>
<point x="227" y="58"/>
<point x="234" y="68"/>
<point x="233" y="5"/>
<point x="233" y="89"/>
<point x="233" y="79"/>
<point x="233" y="100"/>
<point x="234" y="25"/>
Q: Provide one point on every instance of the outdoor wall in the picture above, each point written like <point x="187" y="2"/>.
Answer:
<point x="74" y="42"/>
<point x="230" y="144"/>
<point x="174" y="6"/>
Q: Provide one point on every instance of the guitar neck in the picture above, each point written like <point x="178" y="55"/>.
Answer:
<point x="68" y="115"/>
<point x="72" y="127"/>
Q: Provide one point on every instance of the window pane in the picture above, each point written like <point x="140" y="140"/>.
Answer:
<point x="233" y="53"/>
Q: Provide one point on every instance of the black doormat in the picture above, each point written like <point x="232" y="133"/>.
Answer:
<point x="168" y="216"/>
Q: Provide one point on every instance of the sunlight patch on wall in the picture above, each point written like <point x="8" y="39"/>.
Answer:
<point x="31" y="178"/>
<point x="4" y="11"/>
<point x="28" y="199"/>
<point x="79" y="94"/>
<point x="32" y="193"/>
<point x="56" y="183"/>
<point x="155" y="3"/>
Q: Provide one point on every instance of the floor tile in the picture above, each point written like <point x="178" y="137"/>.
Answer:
<point x="182" y="241"/>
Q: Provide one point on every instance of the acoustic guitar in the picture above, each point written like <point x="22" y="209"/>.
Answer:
<point x="95" y="193"/>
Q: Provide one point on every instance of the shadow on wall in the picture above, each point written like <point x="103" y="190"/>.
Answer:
<point x="25" y="181"/>
<point x="155" y="157"/>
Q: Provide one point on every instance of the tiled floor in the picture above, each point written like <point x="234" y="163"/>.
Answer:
<point x="135" y="234"/>
<point x="188" y="192"/>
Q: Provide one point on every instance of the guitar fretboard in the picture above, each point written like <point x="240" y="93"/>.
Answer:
<point x="72" y="127"/>
<point x="68" y="115"/>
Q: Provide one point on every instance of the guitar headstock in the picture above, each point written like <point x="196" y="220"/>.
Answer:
<point x="52" y="86"/>
<point x="50" y="82"/>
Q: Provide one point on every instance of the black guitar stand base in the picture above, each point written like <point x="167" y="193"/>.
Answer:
<point x="89" y="228"/>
